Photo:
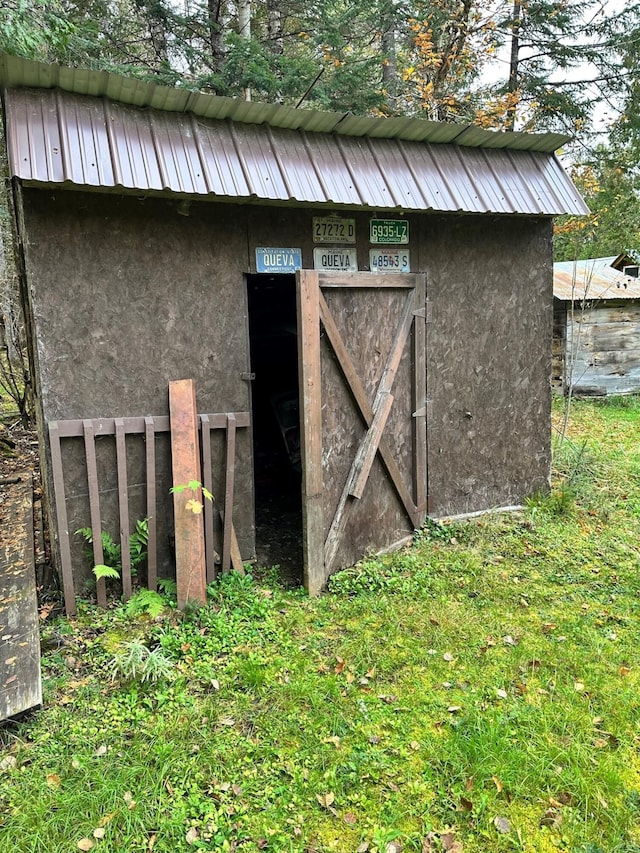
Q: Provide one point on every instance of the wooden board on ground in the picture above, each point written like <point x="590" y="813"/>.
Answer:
<point x="20" y="681"/>
<point x="191" y="577"/>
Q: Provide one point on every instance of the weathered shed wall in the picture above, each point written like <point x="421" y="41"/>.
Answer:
<point x="488" y="362"/>
<point x="127" y="294"/>
<point x="603" y="342"/>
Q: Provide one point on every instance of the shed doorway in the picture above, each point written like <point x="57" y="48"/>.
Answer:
<point x="271" y="301"/>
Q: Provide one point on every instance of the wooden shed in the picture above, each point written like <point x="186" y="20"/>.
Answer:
<point x="596" y="322"/>
<point x="341" y="289"/>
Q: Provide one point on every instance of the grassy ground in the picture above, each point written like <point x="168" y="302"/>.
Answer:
<point x="476" y="692"/>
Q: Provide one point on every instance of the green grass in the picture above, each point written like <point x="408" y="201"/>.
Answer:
<point x="488" y="672"/>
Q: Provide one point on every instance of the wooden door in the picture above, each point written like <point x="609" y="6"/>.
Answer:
<point x="361" y="339"/>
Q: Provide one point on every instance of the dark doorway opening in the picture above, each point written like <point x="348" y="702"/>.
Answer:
<point x="276" y="423"/>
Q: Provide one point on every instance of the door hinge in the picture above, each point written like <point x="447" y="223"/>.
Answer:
<point x="424" y="312"/>
<point x="247" y="377"/>
<point x="425" y="412"/>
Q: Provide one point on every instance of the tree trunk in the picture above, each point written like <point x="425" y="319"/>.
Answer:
<point x="514" y="79"/>
<point x="216" y="33"/>
<point x="389" y="69"/>
<point x="274" y="27"/>
<point x="244" y="31"/>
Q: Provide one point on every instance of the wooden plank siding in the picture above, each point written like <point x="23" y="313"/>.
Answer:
<point x="604" y="343"/>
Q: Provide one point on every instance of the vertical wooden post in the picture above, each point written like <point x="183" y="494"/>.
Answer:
<point x="311" y="429"/>
<point x="185" y="462"/>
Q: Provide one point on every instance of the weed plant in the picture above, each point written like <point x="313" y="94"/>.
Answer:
<point x="476" y="692"/>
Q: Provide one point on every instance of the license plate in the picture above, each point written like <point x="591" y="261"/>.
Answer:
<point x="389" y="260"/>
<point x="388" y="231"/>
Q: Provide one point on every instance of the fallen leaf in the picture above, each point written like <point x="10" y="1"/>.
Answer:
<point x="326" y="800"/>
<point x="54" y="781"/>
<point x="600" y="742"/>
<point x="579" y="687"/>
<point x="449" y="843"/>
<point x="414" y="745"/>
<point x="191" y="836"/>
<point x="501" y="694"/>
<point x="362" y="848"/>
<point x="502" y="825"/>
<point x="393" y="847"/>
<point x="261" y="843"/>
<point x="128" y="798"/>
<point x="498" y="784"/>
<point x="509" y="641"/>
<point x="152" y="842"/>
<point x="85" y="844"/>
<point x="448" y="657"/>
<point x="551" y="818"/>
<point x="101" y="750"/>
<point x="107" y="818"/>
<point x="350" y="819"/>
<point x="340" y="665"/>
<point x="624" y="670"/>
<point x="429" y="843"/>
<point x="8" y="763"/>
<point x="453" y="709"/>
<point x="99" y="832"/>
<point x="350" y="677"/>
<point x="370" y="673"/>
<point x="334" y="739"/>
<point x="227" y="721"/>
<point x="466" y="805"/>
<point x="215" y="684"/>
<point x="237" y="790"/>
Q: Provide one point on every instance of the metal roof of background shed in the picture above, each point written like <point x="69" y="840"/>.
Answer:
<point x="93" y="129"/>
<point x="592" y="279"/>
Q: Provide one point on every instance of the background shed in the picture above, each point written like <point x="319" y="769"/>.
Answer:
<point x="596" y="339"/>
<point x="160" y="232"/>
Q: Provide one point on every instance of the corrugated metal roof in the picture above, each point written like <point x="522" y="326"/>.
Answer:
<point x="15" y="71"/>
<point x="592" y="279"/>
<point x="56" y="137"/>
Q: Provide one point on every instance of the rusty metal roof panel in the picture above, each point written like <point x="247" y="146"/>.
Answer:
<point x="592" y="280"/>
<point x="56" y="137"/>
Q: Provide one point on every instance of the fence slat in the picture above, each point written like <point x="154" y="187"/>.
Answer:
<point x="229" y="483"/>
<point x="94" y="507"/>
<point x="152" y="547"/>
<point x="123" y="508"/>
<point x="209" y="506"/>
<point x="61" y="518"/>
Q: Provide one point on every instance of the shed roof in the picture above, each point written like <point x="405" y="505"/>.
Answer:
<point x="93" y="129"/>
<point x="592" y="279"/>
